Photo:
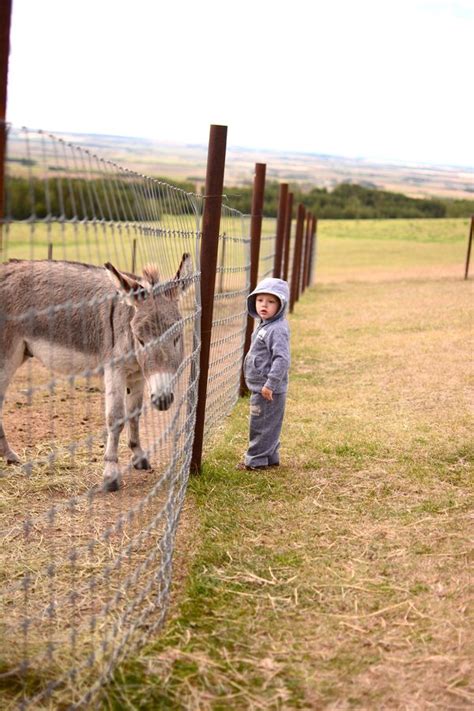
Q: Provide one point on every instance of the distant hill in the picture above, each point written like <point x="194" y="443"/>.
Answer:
<point x="307" y="170"/>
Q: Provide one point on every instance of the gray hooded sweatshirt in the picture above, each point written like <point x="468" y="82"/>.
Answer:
<point x="268" y="360"/>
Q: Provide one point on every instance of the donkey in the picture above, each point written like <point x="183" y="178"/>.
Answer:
<point x="82" y="319"/>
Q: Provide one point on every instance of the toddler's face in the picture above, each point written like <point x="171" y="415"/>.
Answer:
<point x="266" y="305"/>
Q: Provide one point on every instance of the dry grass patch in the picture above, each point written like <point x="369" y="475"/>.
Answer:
<point x="341" y="580"/>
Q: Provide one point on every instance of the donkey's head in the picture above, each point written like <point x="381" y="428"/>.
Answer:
<point x="156" y="325"/>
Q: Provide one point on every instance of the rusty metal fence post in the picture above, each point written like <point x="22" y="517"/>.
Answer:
<point x="305" y="256"/>
<point x="469" y="245"/>
<point x="209" y="245"/>
<point x="280" y="230"/>
<point x="312" y="250"/>
<point x="287" y="236"/>
<point x="295" y="275"/>
<point x="220" y="288"/>
<point x="255" y="235"/>
<point x="5" y="20"/>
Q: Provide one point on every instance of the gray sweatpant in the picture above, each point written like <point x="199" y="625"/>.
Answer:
<point x="266" y="420"/>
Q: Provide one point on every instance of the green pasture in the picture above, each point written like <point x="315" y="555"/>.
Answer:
<point x="126" y="244"/>
<point x="419" y="230"/>
<point x="340" y="580"/>
<point x="368" y="244"/>
<point x="96" y="243"/>
<point x="365" y="248"/>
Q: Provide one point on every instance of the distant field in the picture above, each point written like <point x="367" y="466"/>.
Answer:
<point x="188" y="162"/>
<point x="90" y="243"/>
<point x="367" y="249"/>
<point x="371" y="249"/>
<point x="446" y="231"/>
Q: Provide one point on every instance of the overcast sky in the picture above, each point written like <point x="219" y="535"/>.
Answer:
<point x="384" y="79"/>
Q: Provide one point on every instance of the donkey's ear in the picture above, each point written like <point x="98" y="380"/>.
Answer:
<point x="125" y="283"/>
<point x="182" y="279"/>
<point x="184" y="275"/>
<point x="185" y="271"/>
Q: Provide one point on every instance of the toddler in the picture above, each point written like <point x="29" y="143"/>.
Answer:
<point x="266" y="372"/>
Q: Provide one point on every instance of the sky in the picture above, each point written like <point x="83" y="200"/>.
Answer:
<point x="376" y="79"/>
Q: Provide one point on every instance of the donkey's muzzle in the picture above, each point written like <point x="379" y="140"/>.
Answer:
<point x="162" y="402"/>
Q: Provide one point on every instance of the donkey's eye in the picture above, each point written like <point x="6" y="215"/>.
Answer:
<point x="176" y="340"/>
<point x="142" y="343"/>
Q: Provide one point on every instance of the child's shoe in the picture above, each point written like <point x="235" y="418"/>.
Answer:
<point x="241" y="466"/>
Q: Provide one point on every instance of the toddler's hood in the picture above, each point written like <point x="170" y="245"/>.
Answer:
<point x="277" y="287"/>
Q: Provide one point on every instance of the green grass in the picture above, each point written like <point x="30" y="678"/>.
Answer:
<point x="358" y="249"/>
<point x="98" y="243"/>
<point x="443" y="230"/>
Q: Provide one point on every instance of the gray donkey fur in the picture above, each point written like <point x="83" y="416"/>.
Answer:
<point x="76" y="318"/>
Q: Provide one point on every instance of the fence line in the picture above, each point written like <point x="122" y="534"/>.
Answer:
<point x="88" y="572"/>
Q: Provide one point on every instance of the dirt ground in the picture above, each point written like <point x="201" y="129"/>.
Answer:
<point x="83" y="572"/>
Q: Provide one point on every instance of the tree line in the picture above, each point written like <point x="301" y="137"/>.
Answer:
<point x="353" y="201"/>
<point x="122" y="199"/>
<point x="126" y="200"/>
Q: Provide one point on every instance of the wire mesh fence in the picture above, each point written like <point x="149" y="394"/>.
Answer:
<point x="229" y="318"/>
<point x="100" y="340"/>
<point x="267" y="248"/>
<point x="107" y="404"/>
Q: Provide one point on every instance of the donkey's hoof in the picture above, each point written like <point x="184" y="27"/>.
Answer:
<point x="13" y="460"/>
<point x="141" y="463"/>
<point x="111" y="485"/>
<point x="11" y="456"/>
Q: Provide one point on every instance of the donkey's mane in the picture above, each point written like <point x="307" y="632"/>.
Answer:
<point x="83" y="265"/>
<point x="151" y="273"/>
<point x="54" y="261"/>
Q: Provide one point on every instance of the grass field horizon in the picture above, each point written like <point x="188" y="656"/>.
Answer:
<point x="174" y="161"/>
<point x="340" y="580"/>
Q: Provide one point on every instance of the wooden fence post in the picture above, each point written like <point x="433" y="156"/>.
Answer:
<point x="280" y="230"/>
<point x="287" y="236"/>
<point x="209" y="244"/>
<point x="255" y="235"/>
<point x="295" y="275"/>
<point x="5" y="21"/>
<point x="469" y="245"/>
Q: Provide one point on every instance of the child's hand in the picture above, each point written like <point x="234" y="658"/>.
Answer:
<point x="267" y="393"/>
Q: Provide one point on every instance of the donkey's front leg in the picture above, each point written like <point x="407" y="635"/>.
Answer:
<point x="115" y="383"/>
<point x="10" y="363"/>
<point x="5" y="450"/>
<point x="134" y="410"/>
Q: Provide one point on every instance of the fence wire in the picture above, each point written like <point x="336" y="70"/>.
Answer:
<point x="100" y="281"/>
<point x="86" y="572"/>
<point x="267" y="248"/>
<point x="229" y="318"/>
